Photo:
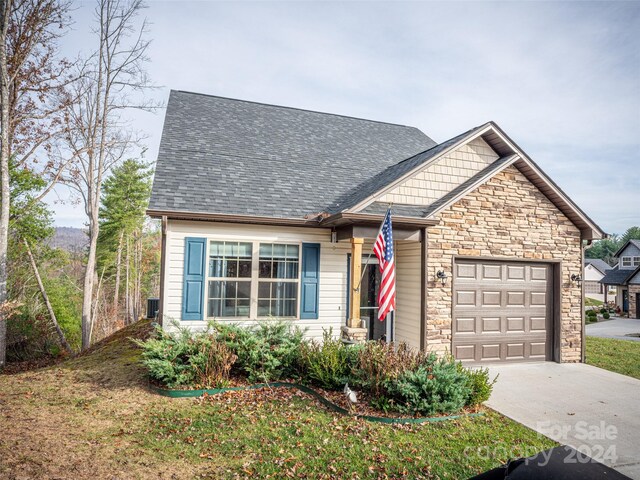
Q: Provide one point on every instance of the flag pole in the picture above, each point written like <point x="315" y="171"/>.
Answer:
<point x="364" y="268"/>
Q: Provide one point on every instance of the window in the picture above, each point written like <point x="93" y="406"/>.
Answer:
<point x="636" y="261"/>
<point x="230" y="293"/>
<point x="278" y="285"/>
<point x="247" y="279"/>
<point x="626" y="261"/>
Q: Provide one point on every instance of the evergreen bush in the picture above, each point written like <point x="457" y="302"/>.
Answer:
<point x="187" y="359"/>
<point x="326" y="364"/>
<point x="267" y="351"/>
<point x="435" y="386"/>
<point x="479" y="383"/>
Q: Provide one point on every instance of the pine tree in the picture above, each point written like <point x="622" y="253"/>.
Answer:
<point x="124" y="200"/>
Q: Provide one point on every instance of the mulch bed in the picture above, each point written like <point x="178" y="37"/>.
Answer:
<point x="362" y="408"/>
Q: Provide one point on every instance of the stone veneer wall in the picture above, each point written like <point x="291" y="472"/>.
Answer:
<point x="506" y="217"/>
<point x="633" y="312"/>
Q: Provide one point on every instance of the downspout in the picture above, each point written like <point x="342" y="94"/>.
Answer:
<point x="163" y="262"/>
<point x="423" y="289"/>
<point x="583" y="340"/>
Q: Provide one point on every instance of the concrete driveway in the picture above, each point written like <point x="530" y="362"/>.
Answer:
<point x="595" y="411"/>
<point x="615" y="328"/>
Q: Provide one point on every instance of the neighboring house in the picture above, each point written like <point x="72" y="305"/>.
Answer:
<point x="626" y="277"/>
<point x="271" y="211"/>
<point x="594" y="270"/>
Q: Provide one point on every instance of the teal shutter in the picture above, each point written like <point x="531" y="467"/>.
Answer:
<point x="193" y="286"/>
<point x="310" y="279"/>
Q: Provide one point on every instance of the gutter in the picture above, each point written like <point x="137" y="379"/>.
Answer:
<point x="232" y="218"/>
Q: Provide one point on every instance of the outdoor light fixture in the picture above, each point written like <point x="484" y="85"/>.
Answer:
<point x="576" y="278"/>
<point x="442" y="276"/>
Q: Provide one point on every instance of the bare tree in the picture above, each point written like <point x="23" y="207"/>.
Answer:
<point x="45" y="297"/>
<point x="114" y="80"/>
<point x="33" y="98"/>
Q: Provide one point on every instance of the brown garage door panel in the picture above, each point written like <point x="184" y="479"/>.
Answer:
<point x="501" y="350"/>
<point x="502" y="311"/>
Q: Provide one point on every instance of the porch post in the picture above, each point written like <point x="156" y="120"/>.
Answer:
<point x="356" y="274"/>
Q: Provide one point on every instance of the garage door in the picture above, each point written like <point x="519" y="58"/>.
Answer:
<point x="502" y="311"/>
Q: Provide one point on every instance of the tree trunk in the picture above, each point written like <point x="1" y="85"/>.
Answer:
<point x="116" y="295"/>
<point x="87" y="291"/>
<point x="45" y="297"/>
<point x="96" y="305"/>
<point x="5" y="11"/>
<point x="127" y="288"/>
<point x="139" y="278"/>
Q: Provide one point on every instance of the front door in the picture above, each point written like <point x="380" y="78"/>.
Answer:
<point x="625" y="301"/>
<point x="369" y="301"/>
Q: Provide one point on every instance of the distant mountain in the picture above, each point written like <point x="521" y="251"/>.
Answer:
<point x="69" y="238"/>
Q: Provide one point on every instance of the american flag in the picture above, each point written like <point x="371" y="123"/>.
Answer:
<point x="383" y="249"/>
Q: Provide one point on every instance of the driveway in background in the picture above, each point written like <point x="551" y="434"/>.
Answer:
<point x="615" y="328"/>
<point x="591" y="409"/>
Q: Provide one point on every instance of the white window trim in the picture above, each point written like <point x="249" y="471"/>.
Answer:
<point x="623" y="260"/>
<point x="254" y="279"/>
<point x="635" y="262"/>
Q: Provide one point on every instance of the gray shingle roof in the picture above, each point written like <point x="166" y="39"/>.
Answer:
<point x="616" y="276"/>
<point x="219" y="155"/>
<point x="599" y="264"/>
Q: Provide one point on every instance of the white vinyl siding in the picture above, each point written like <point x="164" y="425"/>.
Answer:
<point x="333" y="268"/>
<point x="408" y="303"/>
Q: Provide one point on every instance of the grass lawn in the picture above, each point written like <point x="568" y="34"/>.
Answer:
<point x="94" y="417"/>
<point x="621" y="356"/>
<point x="592" y="302"/>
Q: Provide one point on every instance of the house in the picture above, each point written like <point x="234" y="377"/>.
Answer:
<point x="594" y="270"/>
<point x="626" y="277"/>
<point x="269" y="211"/>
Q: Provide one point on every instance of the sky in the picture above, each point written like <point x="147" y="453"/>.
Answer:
<point x="562" y="79"/>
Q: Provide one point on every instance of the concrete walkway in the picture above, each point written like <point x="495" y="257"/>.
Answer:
<point x="595" y="411"/>
<point x="615" y="328"/>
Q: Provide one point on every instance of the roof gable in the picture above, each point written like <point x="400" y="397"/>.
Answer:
<point x="509" y="153"/>
<point x="631" y="247"/>
<point x="598" y="264"/>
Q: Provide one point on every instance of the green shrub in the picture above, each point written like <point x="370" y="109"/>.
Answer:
<point x="29" y="335"/>
<point x="479" y="383"/>
<point x="603" y="310"/>
<point x="326" y="364"/>
<point x="592" y="313"/>
<point x="606" y="315"/>
<point x="266" y="352"/>
<point x="187" y="359"/>
<point x="435" y="386"/>
<point x="378" y="362"/>
<point x="66" y="301"/>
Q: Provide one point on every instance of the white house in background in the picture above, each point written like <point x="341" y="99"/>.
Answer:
<point x="594" y="271"/>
